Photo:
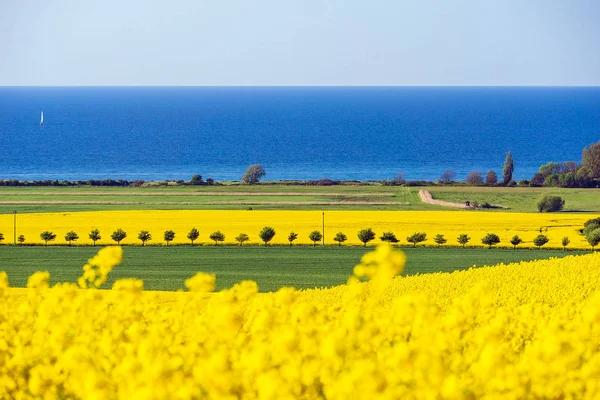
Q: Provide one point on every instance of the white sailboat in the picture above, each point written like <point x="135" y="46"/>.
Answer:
<point x="42" y="119"/>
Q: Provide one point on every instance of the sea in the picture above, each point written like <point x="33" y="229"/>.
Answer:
<point x="305" y="133"/>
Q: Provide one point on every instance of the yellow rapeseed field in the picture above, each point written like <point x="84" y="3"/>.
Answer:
<point x="520" y="331"/>
<point x="234" y="222"/>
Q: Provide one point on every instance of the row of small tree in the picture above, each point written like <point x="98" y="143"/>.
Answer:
<point x="591" y="233"/>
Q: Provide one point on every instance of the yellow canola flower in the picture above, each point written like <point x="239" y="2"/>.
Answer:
<point x="96" y="271"/>
<point x="233" y="222"/>
<point x="201" y="282"/>
<point x="528" y="330"/>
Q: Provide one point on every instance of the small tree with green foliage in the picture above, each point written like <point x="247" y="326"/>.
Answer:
<point x="241" y="238"/>
<point x="196" y="180"/>
<point x="340" y="238"/>
<point x="217" y="237"/>
<point x="315" y="236"/>
<point x="389" y="237"/>
<point x="193" y="234"/>
<point x="267" y="234"/>
<point x="565" y="242"/>
<point x="21" y="239"/>
<point x="540" y="240"/>
<point x="47" y="236"/>
<point x="71" y="236"/>
<point x="253" y="174"/>
<point x="118" y="235"/>
<point x="95" y="235"/>
<point x="291" y="237"/>
<point x="439" y="239"/>
<point x="549" y="203"/>
<point x="463" y="239"/>
<point x="169" y="236"/>
<point x="366" y="235"/>
<point x="417" y="238"/>
<point x="593" y="238"/>
<point x="144" y="236"/>
<point x="515" y="241"/>
<point x="490" y="239"/>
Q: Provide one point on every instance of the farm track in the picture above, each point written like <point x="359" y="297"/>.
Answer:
<point x="426" y="197"/>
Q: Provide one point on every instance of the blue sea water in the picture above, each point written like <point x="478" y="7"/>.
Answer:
<point x="364" y="133"/>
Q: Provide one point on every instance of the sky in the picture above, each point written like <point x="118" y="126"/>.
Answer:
<point x="299" y="42"/>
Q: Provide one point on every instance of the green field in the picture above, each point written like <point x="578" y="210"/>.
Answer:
<point x="292" y="197"/>
<point x="166" y="268"/>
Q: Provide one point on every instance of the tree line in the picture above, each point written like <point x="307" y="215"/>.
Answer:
<point x="591" y="232"/>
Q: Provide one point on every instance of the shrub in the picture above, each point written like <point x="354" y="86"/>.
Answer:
<point x="169" y="236"/>
<point x="118" y="235"/>
<point x="241" y="238"/>
<point x="366" y="235"/>
<point x="21" y="239"/>
<point x="267" y="234"/>
<point x="47" y="236"/>
<point x="439" y="239"/>
<point x="71" y="236"/>
<point x="416" y="238"/>
<point x="549" y="203"/>
<point x="463" y="239"/>
<point x="1" y="237"/>
<point x="315" y="236"/>
<point x="217" y="237"/>
<point x="389" y="237"/>
<point x="490" y="239"/>
<point x="515" y="241"/>
<point x="193" y="234"/>
<point x="144" y="236"/>
<point x="340" y="238"/>
<point x="291" y="237"/>
<point x="95" y="235"/>
<point x="540" y="240"/>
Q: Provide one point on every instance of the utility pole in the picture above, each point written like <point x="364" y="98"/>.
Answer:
<point x="15" y="228"/>
<point x="323" y="228"/>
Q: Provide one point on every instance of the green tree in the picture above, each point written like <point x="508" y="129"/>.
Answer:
<point x="490" y="239"/>
<point x="565" y="242"/>
<point x="463" y="239"/>
<point x="193" y="235"/>
<point x="47" y="236"/>
<point x="491" y="178"/>
<point x="549" y="203"/>
<point x="291" y="237"/>
<point x="515" y="241"/>
<point x="417" y="238"/>
<point x="71" y="236"/>
<point x="21" y="239"/>
<point x="144" y="236"/>
<point x="593" y="238"/>
<point x="389" y="237"/>
<point x="267" y="234"/>
<point x="439" y="239"/>
<point x="509" y="168"/>
<point x="540" y="240"/>
<point x="95" y="235"/>
<point x="253" y="174"/>
<point x="169" y="236"/>
<point x="366" y="235"/>
<point x="118" y="235"/>
<point x="241" y="238"/>
<point x="217" y="237"/>
<point x="196" y="180"/>
<point x="340" y="238"/>
<point x="591" y="225"/>
<point x="590" y="160"/>
<point x="315" y="236"/>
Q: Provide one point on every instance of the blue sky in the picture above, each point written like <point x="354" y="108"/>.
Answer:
<point x="302" y="42"/>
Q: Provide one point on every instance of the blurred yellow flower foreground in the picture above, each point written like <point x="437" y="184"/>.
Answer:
<point x="528" y="330"/>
